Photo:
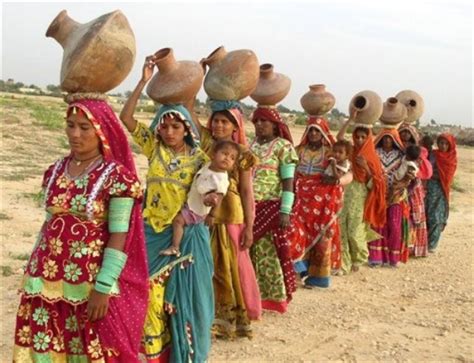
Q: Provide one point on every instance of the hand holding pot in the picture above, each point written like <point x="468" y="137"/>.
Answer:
<point x="148" y="68"/>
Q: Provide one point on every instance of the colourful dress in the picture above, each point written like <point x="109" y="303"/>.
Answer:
<point x="235" y="285"/>
<point x="393" y="247"/>
<point x="418" y="230"/>
<point x="181" y="302"/>
<point x="52" y="324"/>
<point x="271" y="249"/>
<point x="314" y="220"/>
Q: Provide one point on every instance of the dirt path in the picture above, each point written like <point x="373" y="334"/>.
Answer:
<point x="421" y="311"/>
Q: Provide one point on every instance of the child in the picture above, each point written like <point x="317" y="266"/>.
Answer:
<point x="339" y="163"/>
<point x="409" y="164"/>
<point x="207" y="190"/>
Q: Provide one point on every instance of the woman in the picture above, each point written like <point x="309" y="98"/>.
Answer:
<point x="84" y="291"/>
<point x="444" y="161"/>
<point x="318" y="202"/>
<point x="364" y="199"/>
<point x="273" y="192"/>
<point x="237" y="297"/>
<point x="181" y="303"/>
<point x="416" y="193"/>
<point x="393" y="246"/>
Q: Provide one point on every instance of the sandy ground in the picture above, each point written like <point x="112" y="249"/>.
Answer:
<point x="421" y="311"/>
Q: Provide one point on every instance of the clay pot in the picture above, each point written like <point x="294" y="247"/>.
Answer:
<point x="317" y="101"/>
<point x="97" y="55"/>
<point x="369" y="107"/>
<point x="175" y="82"/>
<point x="414" y="104"/>
<point x="231" y="76"/>
<point x="394" y="113"/>
<point x="272" y="87"/>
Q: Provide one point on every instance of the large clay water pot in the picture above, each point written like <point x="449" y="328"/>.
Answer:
<point x="97" y="55"/>
<point x="317" y="101"/>
<point x="394" y="113"/>
<point x="175" y="82"/>
<point x="413" y="102"/>
<point x="272" y="87"/>
<point x="369" y="107"/>
<point x="232" y="75"/>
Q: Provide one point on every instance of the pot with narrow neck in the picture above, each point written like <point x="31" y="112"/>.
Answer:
<point x="414" y="104"/>
<point x="98" y="55"/>
<point x="232" y="75"/>
<point x="176" y="81"/>
<point x="368" y="107"/>
<point x="394" y="113"/>
<point x="317" y="101"/>
<point x="272" y="87"/>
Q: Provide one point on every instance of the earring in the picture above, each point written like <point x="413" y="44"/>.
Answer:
<point x="186" y="134"/>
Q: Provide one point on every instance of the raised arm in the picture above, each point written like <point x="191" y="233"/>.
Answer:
<point x="126" y="116"/>
<point x="342" y="132"/>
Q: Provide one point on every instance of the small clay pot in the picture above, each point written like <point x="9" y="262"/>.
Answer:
<point x="317" y="101"/>
<point x="414" y="104"/>
<point x="175" y="82"/>
<point x="369" y="107"/>
<point x="394" y="113"/>
<point x="98" y="55"/>
<point x="272" y="87"/>
<point x="231" y="76"/>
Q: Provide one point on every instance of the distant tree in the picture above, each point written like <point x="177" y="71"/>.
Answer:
<point x="34" y="86"/>
<point x="19" y="85"/>
<point x="128" y="94"/>
<point x="433" y="122"/>
<point x="283" y="109"/>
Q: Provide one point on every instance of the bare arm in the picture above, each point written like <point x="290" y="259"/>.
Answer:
<point x="126" y="116"/>
<point x="246" y="194"/>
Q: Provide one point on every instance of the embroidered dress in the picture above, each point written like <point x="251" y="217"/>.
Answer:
<point x="418" y="230"/>
<point x="52" y="320"/>
<point x="271" y="249"/>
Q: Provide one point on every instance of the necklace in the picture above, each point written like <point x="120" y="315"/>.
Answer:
<point x="174" y="162"/>
<point x="79" y="162"/>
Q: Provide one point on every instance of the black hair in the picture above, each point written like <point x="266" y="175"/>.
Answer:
<point x="365" y="130"/>
<point x="427" y="141"/>
<point x="228" y="115"/>
<point x="344" y="144"/>
<point x="412" y="152"/>
<point x="219" y="145"/>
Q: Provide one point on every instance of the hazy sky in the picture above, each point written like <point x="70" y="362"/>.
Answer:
<point x="385" y="46"/>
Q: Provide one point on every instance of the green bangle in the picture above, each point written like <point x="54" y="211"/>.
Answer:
<point x="120" y="210"/>
<point x="287" y="171"/>
<point x="287" y="199"/>
<point x="112" y="266"/>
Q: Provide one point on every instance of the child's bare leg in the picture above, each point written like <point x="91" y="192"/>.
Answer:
<point x="178" y="231"/>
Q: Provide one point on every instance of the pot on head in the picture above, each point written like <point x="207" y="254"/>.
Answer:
<point x="414" y="104"/>
<point x="317" y="101"/>
<point x="272" y="87"/>
<point x="369" y="107"/>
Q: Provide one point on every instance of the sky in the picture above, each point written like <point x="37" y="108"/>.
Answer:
<point x="350" y="46"/>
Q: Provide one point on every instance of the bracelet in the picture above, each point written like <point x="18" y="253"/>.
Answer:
<point x="120" y="210"/>
<point x="287" y="171"/>
<point x="112" y="266"/>
<point x="287" y="199"/>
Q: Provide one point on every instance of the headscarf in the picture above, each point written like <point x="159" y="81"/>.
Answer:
<point x="235" y="109"/>
<point x="123" y="324"/>
<point x="446" y="162"/>
<point x="182" y="113"/>
<point x="270" y="113"/>
<point x="393" y="133"/>
<point x="375" y="208"/>
<point x="322" y="125"/>
<point x="426" y="169"/>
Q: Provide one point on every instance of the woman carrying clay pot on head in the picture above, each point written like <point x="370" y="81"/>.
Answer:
<point x="181" y="303"/>
<point x="444" y="162"/>
<point x="273" y="192"/>
<point x="85" y="289"/>
<point x="364" y="198"/>
<point x="416" y="193"/>
<point x="318" y="201"/>
<point x="392" y="248"/>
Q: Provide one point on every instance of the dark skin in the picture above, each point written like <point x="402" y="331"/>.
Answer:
<point x="85" y="144"/>
<point x="266" y="131"/>
<point x="315" y="138"/>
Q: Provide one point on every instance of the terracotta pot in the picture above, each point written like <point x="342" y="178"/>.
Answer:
<point x="317" y="101"/>
<point x="272" y="87"/>
<point x="368" y="105"/>
<point x="231" y="76"/>
<point x="414" y="104"/>
<point x="175" y="82"/>
<point x="394" y="113"/>
<point x="97" y="55"/>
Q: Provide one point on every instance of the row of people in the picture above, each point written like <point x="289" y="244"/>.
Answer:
<point x="108" y="278"/>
